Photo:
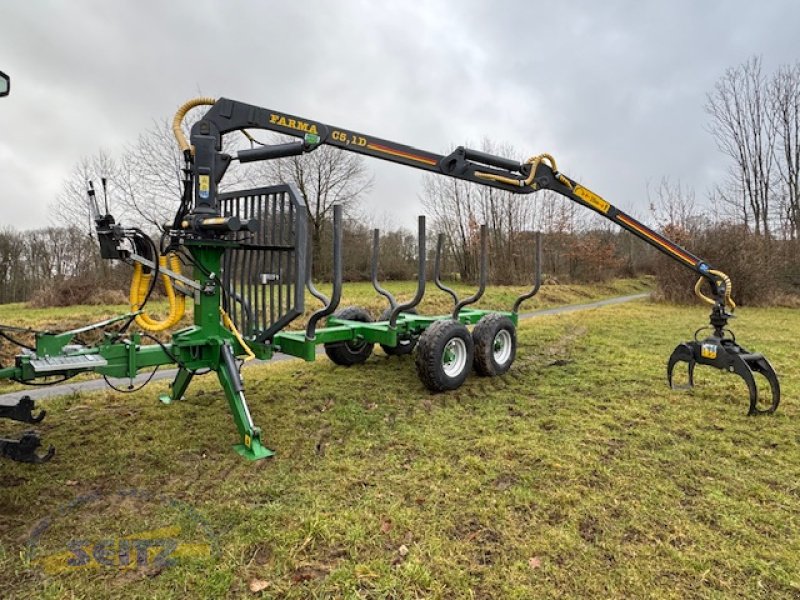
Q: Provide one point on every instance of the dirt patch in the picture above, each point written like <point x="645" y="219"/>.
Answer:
<point x="260" y="554"/>
<point x="308" y="573"/>
<point x="502" y="482"/>
<point x="589" y="529"/>
<point x="613" y="448"/>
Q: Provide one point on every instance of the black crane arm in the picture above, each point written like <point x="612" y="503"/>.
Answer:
<point x="227" y="116"/>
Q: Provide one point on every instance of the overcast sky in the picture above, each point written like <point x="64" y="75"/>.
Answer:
<point x="615" y="90"/>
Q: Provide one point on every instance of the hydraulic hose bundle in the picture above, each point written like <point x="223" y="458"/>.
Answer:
<point x="140" y="286"/>
<point x="729" y="303"/>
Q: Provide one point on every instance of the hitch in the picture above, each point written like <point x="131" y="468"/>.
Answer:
<point x="721" y="351"/>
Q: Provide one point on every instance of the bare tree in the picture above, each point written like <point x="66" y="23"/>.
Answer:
<point x="71" y="206"/>
<point x="452" y="205"/>
<point x="673" y="205"/>
<point x="743" y="130"/>
<point x="785" y="108"/>
<point x="324" y="177"/>
<point x="459" y="208"/>
<point x="144" y="183"/>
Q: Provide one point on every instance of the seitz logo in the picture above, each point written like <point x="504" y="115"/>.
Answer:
<point x="293" y="123"/>
<point x="62" y="542"/>
<point x="155" y="548"/>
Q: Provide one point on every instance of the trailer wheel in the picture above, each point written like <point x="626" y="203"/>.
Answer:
<point x="353" y="352"/>
<point x="495" y="340"/>
<point x="405" y="344"/>
<point x="444" y="355"/>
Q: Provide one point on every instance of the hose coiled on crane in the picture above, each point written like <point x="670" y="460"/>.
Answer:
<point x="729" y="303"/>
<point x="179" y="116"/>
<point x="138" y="292"/>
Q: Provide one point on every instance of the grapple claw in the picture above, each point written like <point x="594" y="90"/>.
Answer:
<point x="22" y="411"/>
<point x="682" y="353"/>
<point x="725" y="354"/>
<point x="759" y="364"/>
<point x="24" y="449"/>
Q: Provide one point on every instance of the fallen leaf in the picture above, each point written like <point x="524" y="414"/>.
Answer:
<point x="403" y="550"/>
<point x="70" y="482"/>
<point x="534" y="562"/>
<point x="258" y="585"/>
<point x="386" y="526"/>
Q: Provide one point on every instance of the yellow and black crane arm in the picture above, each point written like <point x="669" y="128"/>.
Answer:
<point x="537" y="173"/>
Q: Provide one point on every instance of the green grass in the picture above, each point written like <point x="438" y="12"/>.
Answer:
<point x="578" y="475"/>
<point x="358" y="294"/>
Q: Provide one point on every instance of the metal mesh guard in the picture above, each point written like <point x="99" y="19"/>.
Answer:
<point x="265" y="275"/>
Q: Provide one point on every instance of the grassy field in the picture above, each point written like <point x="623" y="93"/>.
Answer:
<point x="358" y="294"/>
<point x="576" y="475"/>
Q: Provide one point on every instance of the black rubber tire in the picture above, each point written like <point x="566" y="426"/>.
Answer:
<point x="406" y="344"/>
<point x="350" y="353"/>
<point x="491" y="330"/>
<point x="430" y="360"/>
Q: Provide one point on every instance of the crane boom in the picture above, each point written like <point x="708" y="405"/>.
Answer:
<point x="539" y="173"/>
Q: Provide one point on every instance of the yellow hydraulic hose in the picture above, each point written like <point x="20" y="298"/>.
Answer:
<point x="179" y="116"/>
<point x="228" y="322"/>
<point x="140" y="283"/>
<point x="534" y="162"/>
<point x="729" y="303"/>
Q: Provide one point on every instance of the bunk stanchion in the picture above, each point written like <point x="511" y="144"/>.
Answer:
<point x="537" y="275"/>
<point x="336" y="293"/>
<point x="482" y="277"/>
<point x="352" y="351"/>
<point x="312" y="289"/>
<point x="437" y="270"/>
<point x="406" y="337"/>
<point x="376" y="235"/>
<point x="445" y="350"/>
<point x="421" y="262"/>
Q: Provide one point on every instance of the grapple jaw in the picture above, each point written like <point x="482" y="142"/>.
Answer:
<point x="24" y="449"/>
<point x="22" y="411"/>
<point x="725" y="354"/>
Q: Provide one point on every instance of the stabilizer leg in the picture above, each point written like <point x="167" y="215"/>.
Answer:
<point x="251" y="447"/>
<point x="178" y="387"/>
